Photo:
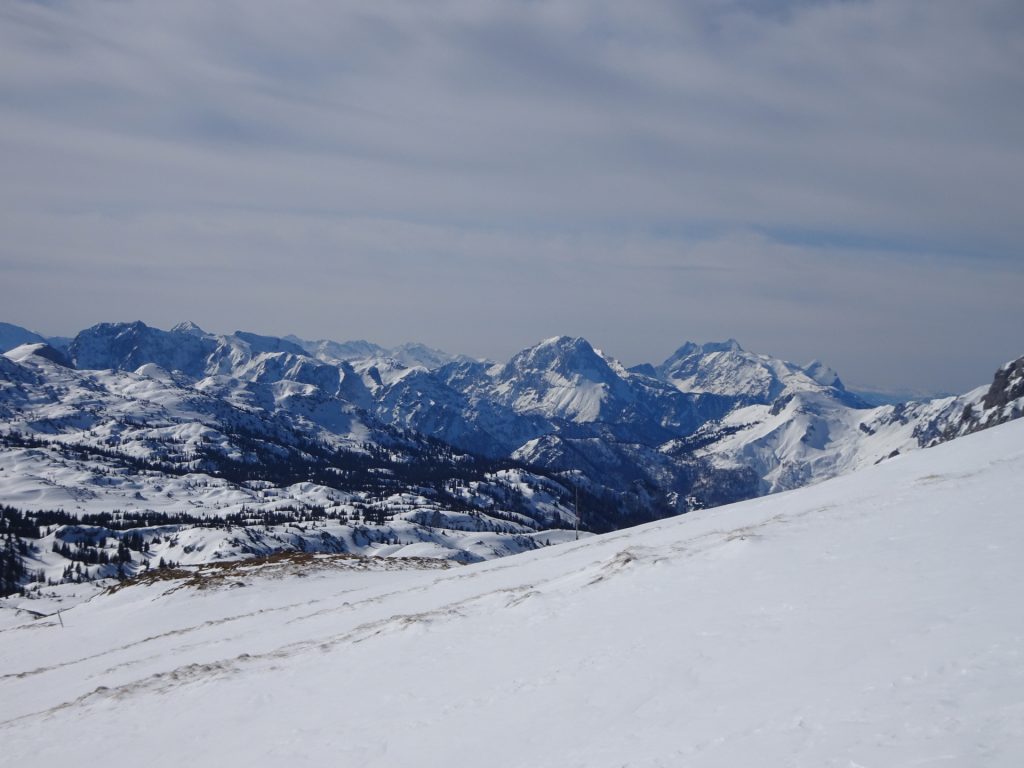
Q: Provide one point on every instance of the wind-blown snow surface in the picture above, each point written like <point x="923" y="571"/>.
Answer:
<point x="871" y="620"/>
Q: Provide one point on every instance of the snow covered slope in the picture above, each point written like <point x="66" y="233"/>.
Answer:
<point x="807" y="436"/>
<point x="868" y="620"/>
<point x="725" y="368"/>
<point x="282" y="463"/>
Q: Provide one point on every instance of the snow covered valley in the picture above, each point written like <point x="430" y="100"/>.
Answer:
<point x="869" y="620"/>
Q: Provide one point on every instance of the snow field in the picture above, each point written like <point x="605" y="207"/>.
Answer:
<point x="870" y="620"/>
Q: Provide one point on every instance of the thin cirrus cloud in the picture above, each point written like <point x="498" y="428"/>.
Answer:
<point x="833" y="179"/>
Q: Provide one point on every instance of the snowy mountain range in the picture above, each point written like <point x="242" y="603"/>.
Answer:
<point x="185" y="424"/>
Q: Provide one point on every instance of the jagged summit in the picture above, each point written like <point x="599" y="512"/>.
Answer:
<point x="726" y="368"/>
<point x="562" y="341"/>
<point x="564" y="354"/>
<point x="127" y="346"/>
<point x="190" y="328"/>
<point x="563" y="377"/>
<point x="823" y="374"/>
<point x="259" y="344"/>
<point x="690" y="348"/>
<point x="408" y="355"/>
<point x="1004" y="399"/>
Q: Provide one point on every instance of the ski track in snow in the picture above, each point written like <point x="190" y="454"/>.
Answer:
<point x="625" y="558"/>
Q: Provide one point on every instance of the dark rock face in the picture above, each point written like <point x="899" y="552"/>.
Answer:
<point x="55" y="356"/>
<point x="780" y="404"/>
<point x="1007" y="386"/>
<point x="126" y="346"/>
<point x="1003" y="402"/>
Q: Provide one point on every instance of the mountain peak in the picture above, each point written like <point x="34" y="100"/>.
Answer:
<point x="259" y="344"/>
<point x="126" y="346"/>
<point x="725" y="368"/>
<point x="729" y="345"/>
<point x="188" y="327"/>
<point x="691" y="348"/>
<point x="562" y="353"/>
<point x="823" y="374"/>
<point x="561" y="340"/>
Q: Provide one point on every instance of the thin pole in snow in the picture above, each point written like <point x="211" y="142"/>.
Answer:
<point x="61" y="620"/>
<point x="577" y="513"/>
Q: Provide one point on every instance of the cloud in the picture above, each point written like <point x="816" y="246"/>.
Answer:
<point x="647" y="171"/>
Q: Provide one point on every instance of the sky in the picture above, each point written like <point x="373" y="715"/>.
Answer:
<point x="833" y="180"/>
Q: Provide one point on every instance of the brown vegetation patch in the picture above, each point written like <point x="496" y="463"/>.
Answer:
<point x="278" y="565"/>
